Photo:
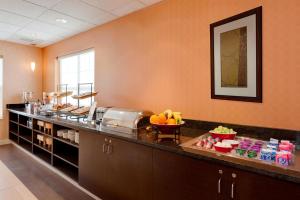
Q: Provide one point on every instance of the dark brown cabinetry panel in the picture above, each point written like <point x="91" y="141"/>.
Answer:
<point x="249" y="186"/>
<point x="117" y="170"/>
<point x="178" y="177"/>
<point x="93" y="164"/>
<point x="130" y="171"/>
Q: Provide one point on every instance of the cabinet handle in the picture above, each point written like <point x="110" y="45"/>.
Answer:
<point x="232" y="190"/>
<point x="219" y="185"/>
<point x="233" y="186"/>
<point x="110" y="147"/>
<point x="104" y="148"/>
<point x="219" y="181"/>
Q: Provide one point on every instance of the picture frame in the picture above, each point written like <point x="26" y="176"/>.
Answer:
<point x="236" y="57"/>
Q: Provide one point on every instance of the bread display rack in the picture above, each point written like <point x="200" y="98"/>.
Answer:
<point x="77" y="112"/>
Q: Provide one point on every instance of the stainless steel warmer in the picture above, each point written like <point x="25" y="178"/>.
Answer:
<point x="100" y="113"/>
<point x="125" y="120"/>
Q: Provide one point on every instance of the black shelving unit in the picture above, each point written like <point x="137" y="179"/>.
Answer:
<point x="66" y="152"/>
<point x="13" y="137"/>
<point x="23" y="120"/>
<point x="13" y="117"/>
<point x="63" y="154"/>
<point x="25" y="144"/>
<point x="13" y="127"/>
<point x="68" y="142"/>
<point x="25" y="133"/>
<point x="66" y="168"/>
<point x="42" y="153"/>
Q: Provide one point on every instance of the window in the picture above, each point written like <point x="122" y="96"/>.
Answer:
<point x="1" y="87"/>
<point x="77" y="69"/>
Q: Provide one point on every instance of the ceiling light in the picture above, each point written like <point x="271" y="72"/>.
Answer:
<point x="63" y="21"/>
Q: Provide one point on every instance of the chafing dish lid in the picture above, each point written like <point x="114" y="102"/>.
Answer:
<point x="121" y="117"/>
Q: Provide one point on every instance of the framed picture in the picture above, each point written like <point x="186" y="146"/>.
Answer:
<point x="236" y="57"/>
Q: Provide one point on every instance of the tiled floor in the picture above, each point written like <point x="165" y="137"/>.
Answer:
<point x="19" y="171"/>
<point x="11" y="187"/>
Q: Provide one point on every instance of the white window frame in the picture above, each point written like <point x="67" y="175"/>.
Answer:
<point x="78" y="65"/>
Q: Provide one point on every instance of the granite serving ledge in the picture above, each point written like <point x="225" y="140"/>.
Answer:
<point x="191" y="130"/>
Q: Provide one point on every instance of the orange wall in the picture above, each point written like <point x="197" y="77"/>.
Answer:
<point x="159" y="58"/>
<point x="18" y="77"/>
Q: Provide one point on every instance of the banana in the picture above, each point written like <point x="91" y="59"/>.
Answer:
<point x="168" y="113"/>
<point x="177" y="118"/>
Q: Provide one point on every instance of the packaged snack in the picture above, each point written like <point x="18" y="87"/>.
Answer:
<point x="282" y="158"/>
<point x="266" y="154"/>
<point x="240" y="151"/>
<point x="274" y="141"/>
<point x="252" y="154"/>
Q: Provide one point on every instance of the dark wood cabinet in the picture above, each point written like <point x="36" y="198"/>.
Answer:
<point x="249" y="186"/>
<point x="115" y="169"/>
<point x="179" y="177"/>
<point x="130" y="170"/>
<point x="93" y="164"/>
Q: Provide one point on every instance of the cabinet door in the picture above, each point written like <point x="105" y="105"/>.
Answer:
<point x="93" y="164"/>
<point x="130" y="171"/>
<point x="249" y="186"/>
<point x="178" y="177"/>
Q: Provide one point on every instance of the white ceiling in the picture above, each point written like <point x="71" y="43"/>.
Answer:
<point x="37" y="21"/>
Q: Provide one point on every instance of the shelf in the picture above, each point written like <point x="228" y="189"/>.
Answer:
<point x="25" y="133"/>
<point x="66" y="142"/>
<point x="12" y="132"/>
<point x="27" y="138"/>
<point x="23" y="120"/>
<point x="13" y="122"/>
<point x="67" y="153"/>
<point x="25" y="144"/>
<point x="41" y="147"/>
<point x="84" y="95"/>
<point x="65" y="168"/>
<point x="40" y="153"/>
<point x="40" y="132"/>
<point x="25" y="126"/>
<point x="13" y="117"/>
<point x="13" y="137"/>
<point x="13" y="127"/>
<point x="67" y="159"/>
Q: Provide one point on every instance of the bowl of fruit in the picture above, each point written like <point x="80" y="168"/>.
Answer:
<point x="167" y="122"/>
<point x="223" y="133"/>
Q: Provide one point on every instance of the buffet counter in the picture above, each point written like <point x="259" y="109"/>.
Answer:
<point x="185" y="147"/>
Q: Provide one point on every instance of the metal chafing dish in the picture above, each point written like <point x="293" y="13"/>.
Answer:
<point x="125" y="120"/>
<point x="100" y="113"/>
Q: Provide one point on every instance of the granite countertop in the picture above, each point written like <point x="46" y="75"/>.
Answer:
<point x="144" y="137"/>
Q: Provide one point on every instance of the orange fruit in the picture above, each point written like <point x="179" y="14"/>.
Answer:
<point x="171" y="121"/>
<point x="162" y="118"/>
<point x="154" y="119"/>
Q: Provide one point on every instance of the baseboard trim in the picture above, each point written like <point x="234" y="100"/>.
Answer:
<point x="5" y="141"/>
<point x="57" y="172"/>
